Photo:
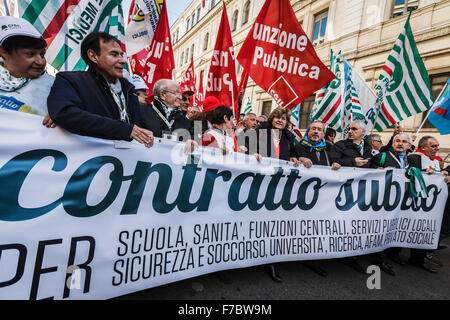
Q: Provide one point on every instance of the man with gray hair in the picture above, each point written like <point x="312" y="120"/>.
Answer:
<point x="353" y="152"/>
<point x="395" y="157"/>
<point x="163" y="116"/>
<point x="374" y="140"/>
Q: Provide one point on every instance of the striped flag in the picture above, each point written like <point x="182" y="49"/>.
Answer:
<point x="403" y="86"/>
<point x="248" y="107"/>
<point x="328" y="105"/>
<point x="352" y="105"/>
<point x="65" y="23"/>
<point x="295" y="115"/>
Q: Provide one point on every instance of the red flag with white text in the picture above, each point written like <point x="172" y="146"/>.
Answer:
<point x="157" y="62"/>
<point x="279" y="57"/>
<point x="199" y="97"/>
<point x="188" y="80"/>
<point x="221" y="81"/>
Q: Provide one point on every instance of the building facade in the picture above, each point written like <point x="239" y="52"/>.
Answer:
<point x="364" y="31"/>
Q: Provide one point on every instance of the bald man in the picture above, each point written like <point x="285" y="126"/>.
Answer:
<point x="163" y="115"/>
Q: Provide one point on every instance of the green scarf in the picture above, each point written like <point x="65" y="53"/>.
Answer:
<point x="417" y="185"/>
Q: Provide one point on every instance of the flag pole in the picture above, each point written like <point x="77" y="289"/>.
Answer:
<point x="431" y="109"/>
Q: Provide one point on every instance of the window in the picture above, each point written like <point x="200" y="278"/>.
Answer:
<point x="187" y="25"/>
<point x="234" y="21"/>
<point x="266" y="107"/>
<point x="192" y="50"/>
<point x="305" y="111"/>
<point x="198" y="14"/>
<point x="187" y="56"/>
<point x="177" y="36"/>
<point x="193" y="20"/>
<point x="320" y="27"/>
<point x="182" y="59"/>
<point x="213" y="3"/>
<point x="205" y="41"/>
<point x="246" y="15"/>
<point x="401" y="7"/>
<point x="437" y="82"/>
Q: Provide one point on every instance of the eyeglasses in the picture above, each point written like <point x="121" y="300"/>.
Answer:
<point x="353" y="129"/>
<point x="377" y="141"/>
<point x="177" y="93"/>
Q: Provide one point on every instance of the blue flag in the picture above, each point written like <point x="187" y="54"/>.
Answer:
<point x="440" y="116"/>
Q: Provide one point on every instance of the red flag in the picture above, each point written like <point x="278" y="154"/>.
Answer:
<point x="279" y="57"/>
<point x="156" y="62"/>
<point x="188" y="81"/>
<point x="203" y="3"/>
<point x="243" y="82"/>
<point x="222" y="73"/>
<point x="199" y="97"/>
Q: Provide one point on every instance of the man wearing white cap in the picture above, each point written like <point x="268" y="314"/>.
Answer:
<point x="24" y="84"/>
<point x="140" y="87"/>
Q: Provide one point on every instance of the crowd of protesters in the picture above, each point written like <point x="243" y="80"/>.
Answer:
<point x="104" y="102"/>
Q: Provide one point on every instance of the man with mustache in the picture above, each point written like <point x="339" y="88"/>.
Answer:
<point x="312" y="150"/>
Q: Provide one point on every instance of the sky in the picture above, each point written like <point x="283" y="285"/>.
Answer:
<point x="174" y="8"/>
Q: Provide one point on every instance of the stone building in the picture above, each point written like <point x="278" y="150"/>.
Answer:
<point x="364" y="30"/>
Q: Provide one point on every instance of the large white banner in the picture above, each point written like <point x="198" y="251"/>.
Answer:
<point x="85" y="218"/>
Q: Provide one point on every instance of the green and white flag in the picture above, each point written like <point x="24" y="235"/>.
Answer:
<point x="328" y="106"/>
<point x="248" y="108"/>
<point x="65" y="23"/>
<point x="352" y="104"/>
<point x="403" y="86"/>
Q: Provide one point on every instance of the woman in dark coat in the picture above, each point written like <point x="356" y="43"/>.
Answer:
<point x="276" y="141"/>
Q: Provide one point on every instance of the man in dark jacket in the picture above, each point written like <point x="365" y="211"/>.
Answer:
<point x="163" y="114"/>
<point x="425" y="159"/>
<point x="353" y="152"/>
<point x="313" y="149"/>
<point x="98" y="102"/>
<point x="394" y="157"/>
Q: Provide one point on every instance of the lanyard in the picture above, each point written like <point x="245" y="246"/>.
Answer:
<point x="169" y="124"/>
<point x="122" y="106"/>
<point x="398" y="161"/>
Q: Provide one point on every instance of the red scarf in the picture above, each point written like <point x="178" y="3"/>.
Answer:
<point x="432" y="158"/>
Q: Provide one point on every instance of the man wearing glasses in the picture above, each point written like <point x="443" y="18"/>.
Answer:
<point x="374" y="140"/>
<point x="163" y="116"/>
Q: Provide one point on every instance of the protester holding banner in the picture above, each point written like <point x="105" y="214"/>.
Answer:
<point x="276" y="141"/>
<point x="24" y="84"/>
<point x="98" y="102"/>
<point x="395" y="157"/>
<point x="163" y="115"/>
<point x="353" y="152"/>
<point x="221" y="135"/>
<point x="425" y="160"/>
<point x="312" y="150"/>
